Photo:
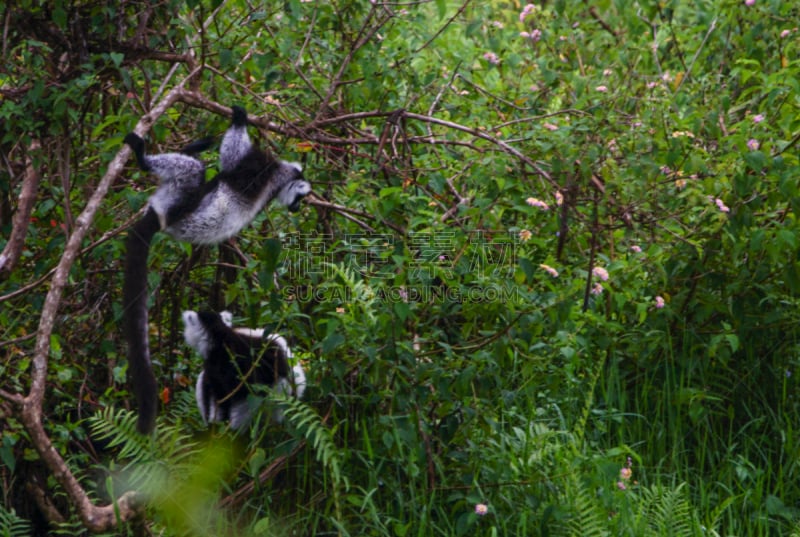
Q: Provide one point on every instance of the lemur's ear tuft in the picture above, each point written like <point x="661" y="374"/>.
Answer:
<point x="190" y="318"/>
<point x="136" y="144"/>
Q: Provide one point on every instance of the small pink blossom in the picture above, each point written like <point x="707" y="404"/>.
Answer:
<point x="753" y="145"/>
<point x="785" y="34"/>
<point x="559" y="198"/>
<point x="539" y="204"/>
<point x="680" y="184"/>
<point x="758" y="118"/>
<point x="550" y="126"/>
<point x="597" y="289"/>
<point x="720" y="204"/>
<point x="492" y="58"/>
<point x="749" y="2"/>
<point x="534" y="35"/>
<point x="625" y="474"/>
<point x="636" y="249"/>
<point x="659" y="304"/>
<point x="481" y="509"/>
<point x="525" y="235"/>
<point x="527" y="10"/>
<point x="601" y="273"/>
<point x="601" y="88"/>
<point x="550" y="270"/>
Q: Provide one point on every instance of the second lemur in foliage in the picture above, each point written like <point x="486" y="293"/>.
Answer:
<point x="191" y="209"/>
<point x="234" y="361"/>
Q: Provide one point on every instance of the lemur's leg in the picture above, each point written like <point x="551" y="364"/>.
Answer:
<point x="202" y="397"/>
<point x="236" y="142"/>
<point x="178" y="170"/>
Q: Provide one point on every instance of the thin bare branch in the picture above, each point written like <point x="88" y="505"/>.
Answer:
<point x="27" y="196"/>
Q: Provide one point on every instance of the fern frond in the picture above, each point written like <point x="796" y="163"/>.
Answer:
<point x="148" y="459"/>
<point x="587" y="519"/>
<point x="12" y="525"/>
<point x="306" y="420"/>
<point x="118" y="427"/>
<point x="668" y="511"/>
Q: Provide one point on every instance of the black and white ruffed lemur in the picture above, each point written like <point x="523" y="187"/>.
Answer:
<point x="191" y="209"/>
<point x="235" y="360"/>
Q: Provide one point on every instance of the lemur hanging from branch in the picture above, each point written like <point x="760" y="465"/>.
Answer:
<point x="192" y="210"/>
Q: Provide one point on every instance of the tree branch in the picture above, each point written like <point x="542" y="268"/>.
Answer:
<point x="27" y="195"/>
<point x="95" y="518"/>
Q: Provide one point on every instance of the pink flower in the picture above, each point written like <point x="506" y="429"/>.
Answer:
<point x="636" y="249"/>
<point x="525" y="235"/>
<point x="600" y="272"/>
<point x="753" y="145"/>
<point x="601" y="89"/>
<point x="720" y="204"/>
<point x="659" y="304"/>
<point x="492" y="58"/>
<point x="625" y="474"/>
<point x="550" y="126"/>
<point x="749" y="2"/>
<point x="550" y="270"/>
<point x="785" y="34"/>
<point x="534" y="36"/>
<point x="559" y="198"/>
<point x="597" y="289"/>
<point x="758" y="118"/>
<point x="481" y="509"/>
<point x="539" y="204"/>
<point x="527" y="10"/>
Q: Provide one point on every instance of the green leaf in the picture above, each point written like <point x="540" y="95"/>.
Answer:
<point x="117" y="58"/>
<point x="788" y="238"/>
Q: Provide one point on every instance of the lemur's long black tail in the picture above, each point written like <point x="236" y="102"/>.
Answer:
<point x="134" y="303"/>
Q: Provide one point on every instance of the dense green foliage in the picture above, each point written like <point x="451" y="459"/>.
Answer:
<point x="557" y="275"/>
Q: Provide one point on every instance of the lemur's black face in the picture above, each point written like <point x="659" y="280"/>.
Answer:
<point x="295" y="205"/>
<point x="298" y="189"/>
<point x="295" y="189"/>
